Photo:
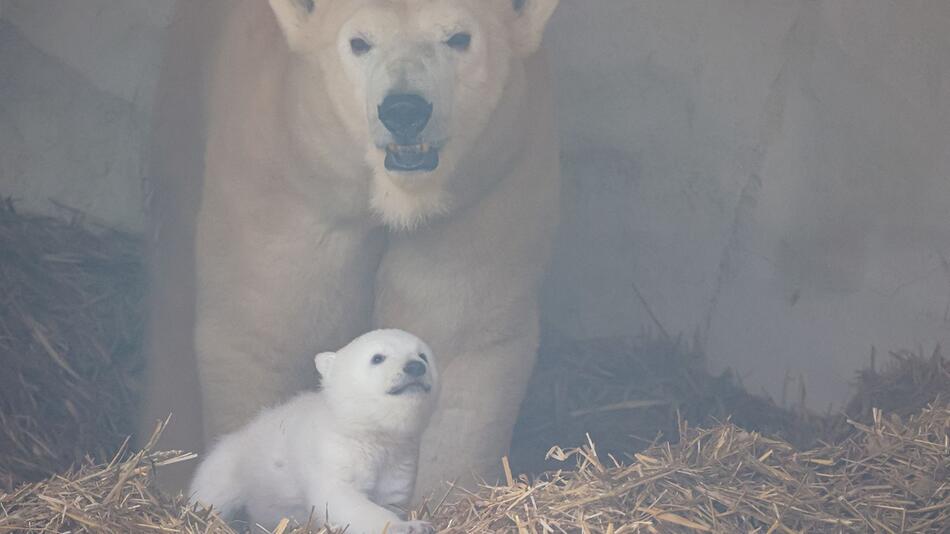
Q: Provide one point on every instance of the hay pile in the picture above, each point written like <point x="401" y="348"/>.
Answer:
<point x="908" y="383"/>
<point x="891" y="476"/>
<point x="115" y="497"/>
<point x="628" y="393"/>
<point x="70" y="327"/>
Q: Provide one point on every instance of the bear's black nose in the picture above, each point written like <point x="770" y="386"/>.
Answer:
<point x="415" y="368"/>
<point x="405" y="115"/>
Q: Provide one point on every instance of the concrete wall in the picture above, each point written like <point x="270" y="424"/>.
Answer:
<point x="772" y="176"/>
<point x="76" y="84"/>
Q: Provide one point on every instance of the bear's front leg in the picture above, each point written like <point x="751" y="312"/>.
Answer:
<point x="241" y="375"/>
<point x="471" y="429"/>
<point x="267" y="301"/>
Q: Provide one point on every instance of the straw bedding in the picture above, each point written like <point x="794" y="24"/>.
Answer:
<point x="626" y="394"/>
<point x="69" y="331"/>
<point x="70" y="327"/>
<point x="890" y="476"/>
<point x="114" y="497"/>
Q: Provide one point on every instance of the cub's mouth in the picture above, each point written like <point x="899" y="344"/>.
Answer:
<point x="410" y="387"/>
<point x="422" y="157"/>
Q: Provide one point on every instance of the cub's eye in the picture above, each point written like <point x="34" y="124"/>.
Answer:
<point x="424" y="357"/>
<point x="460" y="41"/>
<point x="377" y="359"/>
<point x="360" y="46"/>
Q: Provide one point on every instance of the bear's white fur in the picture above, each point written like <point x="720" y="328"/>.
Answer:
<point x="347" y="453"/>
<point x="299" y="186"/>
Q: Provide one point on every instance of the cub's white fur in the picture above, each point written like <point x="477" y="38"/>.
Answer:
<point x="349" y="450"/>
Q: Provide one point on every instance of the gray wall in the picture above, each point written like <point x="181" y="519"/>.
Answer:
<point x="76" y="84"/>
<point x="773" y="176"/>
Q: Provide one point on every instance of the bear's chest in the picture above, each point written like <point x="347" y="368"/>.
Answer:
<point x="381" y="472"/>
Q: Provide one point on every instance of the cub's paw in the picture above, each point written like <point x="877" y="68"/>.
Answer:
<point x="411" y="527"/>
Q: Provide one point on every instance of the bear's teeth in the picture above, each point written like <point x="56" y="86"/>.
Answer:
<point x="421" y="148"/>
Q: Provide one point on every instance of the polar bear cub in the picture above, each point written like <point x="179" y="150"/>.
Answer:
<point x="344" y="455"/>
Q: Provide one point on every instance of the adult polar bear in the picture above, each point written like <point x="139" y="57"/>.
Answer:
<point x="318" y="128"/>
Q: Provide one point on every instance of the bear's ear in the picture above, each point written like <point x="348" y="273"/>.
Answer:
<point x="324" y="362"/>
<point x="531" y="17"/>
<point x="292" y="16"/>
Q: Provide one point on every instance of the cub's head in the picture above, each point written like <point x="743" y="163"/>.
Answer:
<point x="384" y="380"/>
<point x="415" y="82"/>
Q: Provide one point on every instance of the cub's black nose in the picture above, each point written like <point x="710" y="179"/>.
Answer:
<point x="415" y="368"/>
<point x="405" y="116"/>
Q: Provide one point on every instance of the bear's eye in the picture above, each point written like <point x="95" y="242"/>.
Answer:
<point x="460" y="41"/>
<point x="423" y="356"/>
<point x="360" y="46"/>
<point x="377" y="359"/>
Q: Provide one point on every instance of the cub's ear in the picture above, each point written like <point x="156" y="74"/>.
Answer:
<point x="531" y="17"/>
<point x="324" y="362"/>
<point x="292" y="16"/>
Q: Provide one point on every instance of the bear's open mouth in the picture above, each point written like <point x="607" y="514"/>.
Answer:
<point x="422" y="157"/>
<point x="410" y="387"/>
